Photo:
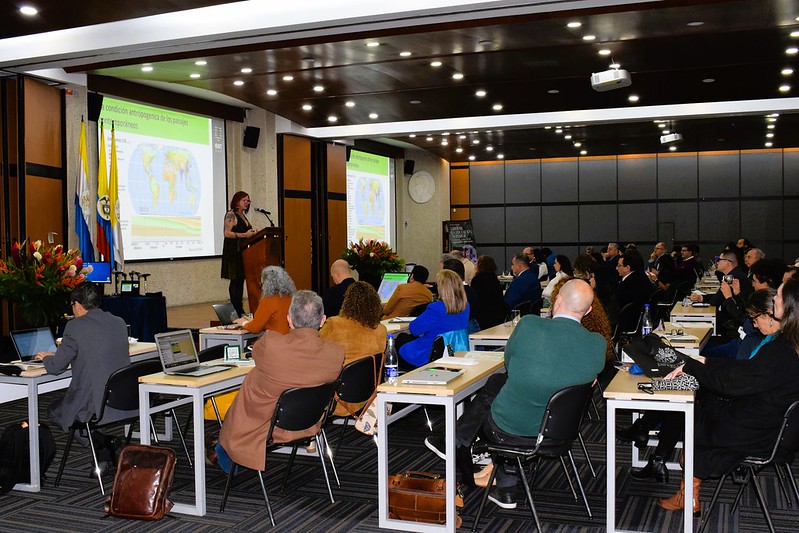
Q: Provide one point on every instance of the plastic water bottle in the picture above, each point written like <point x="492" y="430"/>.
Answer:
<point x="646" y="329"/>
<point x="391" y="362"/>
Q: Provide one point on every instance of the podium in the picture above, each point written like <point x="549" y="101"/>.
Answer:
<point x="265" y="248"/>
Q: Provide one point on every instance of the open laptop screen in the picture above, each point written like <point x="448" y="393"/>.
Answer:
<point x="29" y="342"/>
<point x="176" y="349"/>
<point x="390" y="282"/>
<point x="101" y="272"/>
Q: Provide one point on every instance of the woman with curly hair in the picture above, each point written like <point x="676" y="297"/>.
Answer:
<point x="277" y="288"/>
<point x="358" y="329"/>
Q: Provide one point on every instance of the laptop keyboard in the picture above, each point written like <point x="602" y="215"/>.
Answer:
<point x="202" y="371"/>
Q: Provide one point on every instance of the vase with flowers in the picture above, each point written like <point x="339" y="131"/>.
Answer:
<point x="372" y="259"/>
<point x="38" y="279"/>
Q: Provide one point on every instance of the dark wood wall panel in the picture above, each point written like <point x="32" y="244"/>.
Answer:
<point x="791" y="171"/>
<point x="761" y="173"/>
<point x="597" y="222"/>
<point x="559" y="224"/>
<point x="489" y="224"/>
<point x="559" y="180"/>
<point x="677" y="176"/>
<point x="296" y="212"/>
<point x="719" y="175"/>
<point x="523" y="224"/>
<point x="459" y="186"/>
<point x="761" y="223"/>
<point x="637" y="222"/>
<point x="40" y="220"/>
<point x="296" y="163"/>
<point x="336" y="231"/>
<point x="637" y="178"/>
<point x="523" y="182"/>
<point x="598" y="179"/>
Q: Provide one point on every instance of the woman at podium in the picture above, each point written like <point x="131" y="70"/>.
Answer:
<point x="237" y="228"/>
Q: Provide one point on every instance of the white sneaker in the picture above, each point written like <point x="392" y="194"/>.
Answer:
<point x="436" y="445"/>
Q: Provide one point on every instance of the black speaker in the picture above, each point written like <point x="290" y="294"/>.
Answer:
<point x="409" y="164"/>
<point x="94" y="101"/>
<point x="251" y="135"/>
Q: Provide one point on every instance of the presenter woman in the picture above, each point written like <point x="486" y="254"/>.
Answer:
<point x="237" y="228"/>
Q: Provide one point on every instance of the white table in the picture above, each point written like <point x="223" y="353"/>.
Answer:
<point x="31" y="386"/>
<point x="448" y="396"/>
<point x="491" y="337"/>
<point x="623" y="393"/>
<point x="681" y="313"/>
<point x="219" y="335"/>
<point x="395" y="325"/>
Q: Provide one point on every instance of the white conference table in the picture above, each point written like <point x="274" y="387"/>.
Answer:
<point x="220" y="335"/>
<point x="681" y="313"/>
<point x="35" y="382"/>
<point x="448" y="396"/>
<point x="491" y="337"/>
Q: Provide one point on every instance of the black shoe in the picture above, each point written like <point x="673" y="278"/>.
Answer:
<point x="654" y="469"/>
<point x="503" y="498"/>
<point x="465" y="466"/>
<point x="436" y="445"/>
<point x="634" y="435"/>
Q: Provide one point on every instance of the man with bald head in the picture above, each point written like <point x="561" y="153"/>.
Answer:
<point x="542" y="357"/>
<point x="334" y="296"/>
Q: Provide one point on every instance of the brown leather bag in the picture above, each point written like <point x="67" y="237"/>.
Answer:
<point x="420" y="497"/>
<point x="142" y="482"/>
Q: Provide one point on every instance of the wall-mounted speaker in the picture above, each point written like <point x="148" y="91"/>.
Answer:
<point x="409" y="164"/>
<point x="251" y="135"/>
<point x="94" y="102"/>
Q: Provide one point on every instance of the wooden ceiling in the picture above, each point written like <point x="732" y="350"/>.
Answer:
<point x="679" y="53"/>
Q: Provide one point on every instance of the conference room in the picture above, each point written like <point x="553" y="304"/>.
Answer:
<point x="481" y="112"/>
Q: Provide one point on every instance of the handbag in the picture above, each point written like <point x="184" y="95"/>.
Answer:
<point x="420" y="497"/>
<point x="141" y="484"/>
<point x="681" y="382"/>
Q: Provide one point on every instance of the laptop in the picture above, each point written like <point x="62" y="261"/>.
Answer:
<point x="389" y="283"/>
<point x="658" y="364"/>
<point x="179" y="357"/>
<point x="29" y="342"/>
<point x="226" y="313"/>
<point x="433" y="376"/>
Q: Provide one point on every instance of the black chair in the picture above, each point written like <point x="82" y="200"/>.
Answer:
<point x="782" y="454"/>
<point x="297" y="409"/>
<point x="121" y="393"/>
<point x="627" y="326"/>
<point x="523" y="308"/>
<point x="676" y="291"/>
<point x="418" y="310"/>
<point x="357" y="385"/>
<point x="560" y="426"/>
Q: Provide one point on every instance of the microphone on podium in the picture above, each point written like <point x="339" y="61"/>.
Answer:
<point x="262" y="211"/>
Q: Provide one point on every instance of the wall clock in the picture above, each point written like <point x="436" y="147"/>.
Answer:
<point x="421" y="187"/>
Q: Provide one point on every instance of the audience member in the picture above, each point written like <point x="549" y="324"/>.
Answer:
<point x="662" y="270"/>
<point x="563" y="270"/>
<point x="540" y="260"/>
<point x="767" y="273"/>
<point x="597" y="320"/>
<point x="790" y="273"/>
<point x="409" y="295"/>
<point x="744" y="244"/>
<point x="605" y="281"/>
<point x="689" y="269"/>
<point x="752" y="256"/>
<point x="634" y="287"/>
<point x="277" y="288"/>
<point x="726" y="322"/>
<point x="333" y="296"/>
<point x="492" y="310"/>
<point x="525" y="286"/>
<point x="549" y="257"/>
<point x="613" y="255"/>
<point x="471" y="295"/>
<point x="468" y="266"/>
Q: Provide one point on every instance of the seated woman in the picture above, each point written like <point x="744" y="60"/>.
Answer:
<point x="277" y="288"/>
<point x="358" y="329"/>
<point x="491" y="311"/>
<point x="449" y="313"/>
<point x="563" y="270"/>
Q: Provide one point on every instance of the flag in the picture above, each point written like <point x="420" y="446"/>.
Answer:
<point x="113" y="196"/>
<point x="83" y="201"/>
<point x="104" y="246"/>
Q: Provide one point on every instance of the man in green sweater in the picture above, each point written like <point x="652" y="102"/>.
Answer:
<point x="542" y="357"/>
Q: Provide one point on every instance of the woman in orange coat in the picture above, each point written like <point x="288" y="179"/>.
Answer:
<point x="277" y="288"/>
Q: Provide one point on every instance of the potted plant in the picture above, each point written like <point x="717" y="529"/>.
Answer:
<point x="372" y="259"/>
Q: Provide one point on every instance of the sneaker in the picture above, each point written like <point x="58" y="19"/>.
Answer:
<point x="503" y="498"/>
<point x="436" y="445"/>
<point x="311" y="448"/>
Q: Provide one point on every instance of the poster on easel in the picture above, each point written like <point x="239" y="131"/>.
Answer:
<point x="459" y="234"/>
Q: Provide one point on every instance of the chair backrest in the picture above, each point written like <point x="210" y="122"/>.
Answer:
<point x="418" y="310"/>
<point x="630" y="318"/>
<point x="357" y="379"/>
<point x="523" y="307"/>
<point x="458" y="339"/>
<point x="788" y="438"/>
<point x="211" y="353"/>
<point x="564" y="413"/>
<point x="122" y="387"/>
<point x="301" y="407"/>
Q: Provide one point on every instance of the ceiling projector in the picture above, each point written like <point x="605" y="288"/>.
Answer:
<point x="610" y="79"/>
<point x="670" y="138"/>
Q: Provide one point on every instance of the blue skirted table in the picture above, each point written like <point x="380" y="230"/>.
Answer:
<point x="146" y="315"/>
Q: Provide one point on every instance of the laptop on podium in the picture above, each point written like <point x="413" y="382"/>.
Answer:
<point x="179" y="357"/>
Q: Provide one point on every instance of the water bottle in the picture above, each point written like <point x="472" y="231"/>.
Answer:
<point x="646" y="329"/>
<point x="391" y="362"/>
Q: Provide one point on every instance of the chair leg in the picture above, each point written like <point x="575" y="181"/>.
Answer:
<point x="96" y="463"/>
<point x="182" y="438"/>
<point x="228" y="484"/>
<point x="219" y="418"/>
<point x="329" y="452"/>
<point x="129" y="434"/>
<point x="324" y="468"/>
<point x="341" y="434"/>
<point x="153" y="431"/>
<point x="761" y="499"/>
<point x="427" y="417"/>
<point x="568" y="477"/>
<point x="587" y="457"/>
<point x="596" y="410"/>
<point x="792" y="480"/>
<point x="781" y="479"/>
<point x="536" y="467"/>
<point x="266" y="498"/>
<point x="741" y="490"/>
<point x="580" y="485"/>
<point x="288" y="467"/>
<point x="527" y="491"/>
<point x="485" y="495"/>
<point x="709" y="510"/>
<point x="64" y="457"/>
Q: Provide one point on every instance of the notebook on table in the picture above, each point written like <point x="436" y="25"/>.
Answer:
<point x="179" y="356"/>
<point x="389" y="283"/>
<point x="658" y="364"/>
<point x="29" y="342"/>
<point x="226" y="313"/>
<point x="433" y="376"/>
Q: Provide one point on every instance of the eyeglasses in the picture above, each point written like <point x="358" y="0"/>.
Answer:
<point x="720" y="259"/>
<point x="755" y="317"/>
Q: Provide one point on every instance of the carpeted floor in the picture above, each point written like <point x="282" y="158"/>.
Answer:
<point x="78" y="506"/>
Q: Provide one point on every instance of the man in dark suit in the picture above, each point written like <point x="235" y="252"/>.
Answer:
<point x="634" y="286"/>
<point x="613" y="254"/>
<point x="525" y="285"/>
<point x="334" y="296"/>
<point x="662" y="270"/>
<point x="726" y="323"/>
<point x="689" y="269"/>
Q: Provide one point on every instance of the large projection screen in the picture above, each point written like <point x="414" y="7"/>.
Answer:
<point x="370" y="197"/>
<point x="172" y="182"/>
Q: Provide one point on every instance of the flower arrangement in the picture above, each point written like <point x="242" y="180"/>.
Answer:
<point x="38" y="280"/>
<point x="372" y="257"/>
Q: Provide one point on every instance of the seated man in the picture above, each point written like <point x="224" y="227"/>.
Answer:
<point x="634" y="287"/>
<point x="282" y="362"/>
<point x="409" y="295"/>
<point x="95" y="343"/>
<point x="334" y="296"/>
<point x="525" y="286"/>
<point x="542" y="357"/>
<point x="468" y="266"/>
<point x="727" y="321"/>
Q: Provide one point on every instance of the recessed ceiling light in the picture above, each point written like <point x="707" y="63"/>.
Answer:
<point x="497" y="107"/>
<point x="486" y="42"/>
<point x="567" y="137"/>
<point x="615" y="65"/>
<point x="489" y="148"/>
<point x="476" y="141"/>
<point x="457" y="76"/>
<point x="695" y="23"/>
<point x="786" y="71"/>
<point x="773" y="115"/>
<point x="412" y="135"/>
<point x="246" y="70"/>
<point x="480" y="93"/>
<point x="553" y="91"/>
<point x="604" y="52"/>
<point x="194" y="75"/>
<point x="769" y="135"/>
<point x="147" y="69"/>
<point x="589" y="37"/>
<point x="794" y="34"/>
<point x="785" y="88"/>
<point x="708" y="80"/>
<point x="583" y="152"/>
<point x="558" y="130"/>
<point x="769" y="144"/>
<point x="436" y="64"/>
<point x="349" y="103"/>
<point x="373" y="115"/>
<point x="28" y="10"/>
<point x="475" y="132"/>
<point x="672" y="148"/>
<point x="405" y="53"/>
<point x="445" y="134"/>
<point x="578" y="144"/>
<point x="500" y="156"/>
<point x="461" y="136"/>
<point x="666" y="132"/>
<point x="661" y="125"/>
<point x="770" y="126"/>
<point x="372" y="44"/>
<point x="307" y="107"/>
<point x="288" y="77"/>
<point x="201" y="62"/>
<point x="332" y="118"/>
<point x="318" y="88"/>
<point x="547" y="127"/>
<point x="271" y="92"/>
<point x="471" y="158"/>
<point x="771" y="120"/>
<point x="444" y="142"/>
<point x="633" y="98"/>
<point x="574" y="24"/>
<point x="308" y="60"/>
<point x="415" y="102"/>
<point x="791" y="51"/>
<point x="459" y="149"/>
<point x="238" y="83"/>
<point x="429" y="139"/>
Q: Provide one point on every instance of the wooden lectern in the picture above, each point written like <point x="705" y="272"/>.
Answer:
<point x="263" y="249"/>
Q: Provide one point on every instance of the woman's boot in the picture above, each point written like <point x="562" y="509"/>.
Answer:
<point x="677" y="501"/>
